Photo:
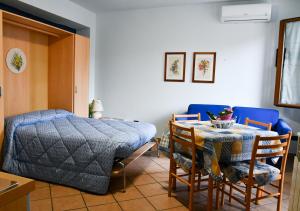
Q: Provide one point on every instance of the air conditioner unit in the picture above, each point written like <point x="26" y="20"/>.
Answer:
<point x="246" y="13"/>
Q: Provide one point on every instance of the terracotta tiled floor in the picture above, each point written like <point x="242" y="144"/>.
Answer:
<point x="146" y="190"/>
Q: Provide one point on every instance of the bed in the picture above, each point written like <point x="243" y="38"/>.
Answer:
<point x="59" y="147"/>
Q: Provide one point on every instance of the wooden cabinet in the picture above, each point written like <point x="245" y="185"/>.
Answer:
<point x="16" y="198"/>
<point x="1" y="86"/>
<point x="81" y="77"/>
<point x="57" y="70"/>
<point x="61" y="73"/>
<point x="69" y="74"/>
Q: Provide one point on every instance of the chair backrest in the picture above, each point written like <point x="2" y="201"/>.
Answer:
<point x="203" y="108"/>
<point x="269" y="147"/>
<point x="184" y="136"/>
<point x="248" y="121"/>
<point x="186" y="117"/>
<point x="265" y="115"/>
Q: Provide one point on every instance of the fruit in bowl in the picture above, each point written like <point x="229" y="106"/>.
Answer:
<point x="226" y="114"/>
<point x="223" y="120"/>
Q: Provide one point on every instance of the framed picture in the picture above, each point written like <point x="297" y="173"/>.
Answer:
<point x="175" y="66"/>
<point x="204" y="66"/>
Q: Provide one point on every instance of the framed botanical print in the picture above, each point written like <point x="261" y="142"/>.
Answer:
<point x="204" y="66"/>
<point x="175" y="66"/>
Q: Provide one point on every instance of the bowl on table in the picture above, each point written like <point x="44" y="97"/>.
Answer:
<point x="223" y="124"/>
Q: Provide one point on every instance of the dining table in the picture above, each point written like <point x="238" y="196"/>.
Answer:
<point x="223" y="146"/>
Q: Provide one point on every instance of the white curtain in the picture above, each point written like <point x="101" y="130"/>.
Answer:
<point x="290" y="92"/>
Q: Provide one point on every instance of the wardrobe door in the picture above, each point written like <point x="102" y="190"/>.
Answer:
<point x="81" y="75"/>
<point x="60" y="74"/>
<point x="1" y="86"/>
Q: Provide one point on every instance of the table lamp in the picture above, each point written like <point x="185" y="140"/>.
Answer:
<point x="97" y="109"/>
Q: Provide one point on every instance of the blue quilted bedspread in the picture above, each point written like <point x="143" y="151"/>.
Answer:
<point x="59" y="147"/>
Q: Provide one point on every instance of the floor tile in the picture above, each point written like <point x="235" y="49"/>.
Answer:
<point x="164" y="163"/>
<point x="131" y="193"/>
<point x="153" y="168"/>
<point x="136" y="204"/>
<point x="161" y="202"/>
<point x="92" y="200"/>
<point x="183" y="197"/>
<point x="203" y="206"/>
<point x="165" y="184"/>
<point x="151" y="189"/>
<point x="160" y="176"/>
<point x="41" y="205"/>
<point x="200" y="197"/>
<point x="143" y="160"/>
<point x="230" y="207"/>
<point x="40" y="184"/>
<point x="68" y="202"/>
<point x="179" y="186"/>
<point x="133" y="170"/>
<point x="106" y="207"/>
<point x="270" y="207"/>
<point x="178" y="209"/>
<point x="144" y="164"/>
<point x="40" y="193"/>
<point x="142" y="179"/>
<point x="116" y="184"/>
<point x="58" y="191"/>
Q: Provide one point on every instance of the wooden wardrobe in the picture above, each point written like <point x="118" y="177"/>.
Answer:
<point x="57" y="70"/>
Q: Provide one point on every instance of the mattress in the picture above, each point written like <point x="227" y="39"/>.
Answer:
<point x="141" y="133"/>
<point x="59" y="147"/>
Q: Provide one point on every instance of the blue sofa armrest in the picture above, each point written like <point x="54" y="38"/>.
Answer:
<point x="282" y="127"/>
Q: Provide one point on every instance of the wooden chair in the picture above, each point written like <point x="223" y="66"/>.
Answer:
<point x="282" y="149"/>
<point x="176" y="117"/>
<point x="248" y="121"/>
<point x="186" y="137"/>
<point x="267" y="126"/>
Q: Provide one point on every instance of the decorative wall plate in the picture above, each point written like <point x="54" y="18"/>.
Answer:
<point x="16" y="60"/>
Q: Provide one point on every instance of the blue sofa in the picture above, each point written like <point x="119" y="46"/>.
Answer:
<point x="259" y="114"/>
<point x="203" y="108"/>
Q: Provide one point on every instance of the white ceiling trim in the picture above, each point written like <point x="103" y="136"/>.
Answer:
<point x="120" y="5"/>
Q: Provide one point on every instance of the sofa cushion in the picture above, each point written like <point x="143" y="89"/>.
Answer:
<point x="265" y="115"/>
<point x="203" y="108"/>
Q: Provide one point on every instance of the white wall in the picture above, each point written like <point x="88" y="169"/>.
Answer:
<point x="73" y="12"/>
<point x="131" y="50"/>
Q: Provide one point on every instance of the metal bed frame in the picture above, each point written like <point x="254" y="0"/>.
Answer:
<point x="120" y="165"/>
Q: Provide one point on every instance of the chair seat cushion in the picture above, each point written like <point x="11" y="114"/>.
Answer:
<point x="184" y="161"/>
<point x="263" y="173"/>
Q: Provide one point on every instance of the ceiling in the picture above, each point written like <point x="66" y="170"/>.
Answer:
<point x="118" y="5"/>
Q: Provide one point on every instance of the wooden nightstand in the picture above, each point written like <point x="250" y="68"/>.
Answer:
<point x="16" y="198"/>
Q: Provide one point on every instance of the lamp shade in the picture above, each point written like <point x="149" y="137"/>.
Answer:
<point x="97" y="106"/>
